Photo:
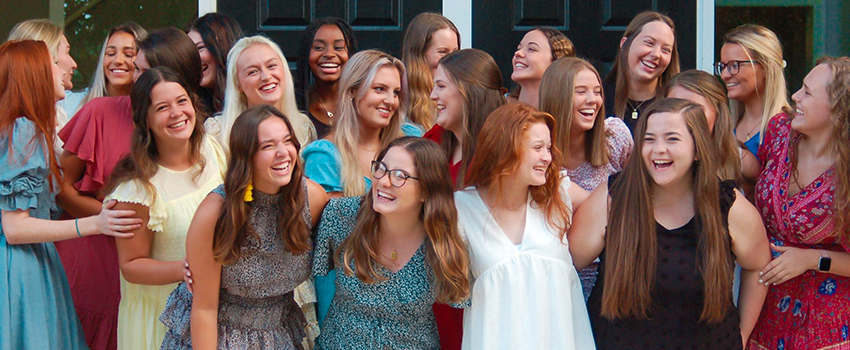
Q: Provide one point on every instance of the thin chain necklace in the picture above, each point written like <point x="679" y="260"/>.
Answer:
<point x="747" y="137"/>
<point x="330" y="115"/>
<point x="635" y="109"/>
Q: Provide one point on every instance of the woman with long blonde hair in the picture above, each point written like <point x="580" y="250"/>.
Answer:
<point x="396" y="251"/>
<point x="428" y="38"/>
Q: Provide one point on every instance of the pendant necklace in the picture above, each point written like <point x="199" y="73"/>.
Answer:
<point x="393" y="255"/>
<point x="635" y="109"/>
<point x="330" y="115"/>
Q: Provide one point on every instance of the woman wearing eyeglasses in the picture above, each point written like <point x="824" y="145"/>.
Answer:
<point x="751" y="65"/>
<point x="395" y="251"/>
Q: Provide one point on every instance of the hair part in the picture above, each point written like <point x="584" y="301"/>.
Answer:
<point x="631" y="246"/>
<point x="219" y="33"/>
<point x="417" y="38"/>
<point x="306" y="80"/>
<point x="557" y="93"/>
<point x="445" y="249"/>
<point x="234" y="226"/>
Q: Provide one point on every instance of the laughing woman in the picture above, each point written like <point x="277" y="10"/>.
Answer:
<point x="538" y="49"/>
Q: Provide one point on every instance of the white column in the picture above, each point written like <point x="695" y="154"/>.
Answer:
<point x="206" y="6"/>
<point x="460" y="12"/>
<point x="705" y="35"/>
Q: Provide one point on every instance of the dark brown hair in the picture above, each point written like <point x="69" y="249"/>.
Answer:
<point x="219" y="33"/>
<point x="559" y="44"/>
<point x="172" y="48"/>
<point x="631" y="247"/>
<point x="445" y="249"/>
<point x="233" y="226"/>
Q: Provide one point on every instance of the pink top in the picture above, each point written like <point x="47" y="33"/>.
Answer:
<point x="620" y="146"/>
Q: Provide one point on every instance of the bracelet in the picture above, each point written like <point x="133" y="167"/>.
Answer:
<point x="77" y="225"/>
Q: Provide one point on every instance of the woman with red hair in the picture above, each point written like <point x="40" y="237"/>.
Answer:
<point x="37" y="311"/>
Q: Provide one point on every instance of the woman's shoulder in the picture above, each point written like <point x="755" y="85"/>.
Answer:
<point x="320" y="146"/>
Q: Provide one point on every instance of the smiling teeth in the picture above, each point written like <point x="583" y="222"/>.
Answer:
<point x="383" y="110"/>
<point x="520" y="65"/>
<point x="386" y="196"/>
<point x="799" y="111"/>
<point x="283" y="167"/>
<point x="731" y="84"/>
<point x="588" y="111"/>
<point x="649" y="64"/>
<point x="178" y="125"/>
<point x="268" y="87"/>
<point x="540" y="168"/>
<point x="662" y="162"/>
<point x="119" y="71"/>
<point x="329" y="65"/>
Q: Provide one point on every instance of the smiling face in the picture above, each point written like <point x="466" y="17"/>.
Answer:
<point x="328" y="53"/>
<point x="536" y="156"/>
<point x="750" y="80"/>
<point x="58" y="82"/>
<point x="118" y="60"/>
<point x="587" y="100"/>
<point x="668" y="150"/>
<point x="208" y="65"/>
<point x="381" y="101"/>
<point x="449" y="102"/>
<point x="685" y="94"/>
<point x="650" y="52"/>
<point x="171" y="116"/>
<point x="813" y="114"/>
<point x="531" y="58"/>
<point x="443" y="42"/>
<point x="275" y="158"/>
<point x="260" y="74"/>
<point x="66" y="62"/>
<point x="406" y="199"/>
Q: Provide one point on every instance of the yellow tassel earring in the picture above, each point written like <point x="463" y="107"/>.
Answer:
<point x="249" y="196"/>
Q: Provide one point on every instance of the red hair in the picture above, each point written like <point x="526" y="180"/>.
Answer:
<point x="27" y="91"/>
<point x="498" y="152"/>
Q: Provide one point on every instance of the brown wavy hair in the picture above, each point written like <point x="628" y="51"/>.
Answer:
<point x="445" y="249"/>
<point x="26" y="91"/>
<point x="501" y="144"/>
<point x="417" y="37"/>
<point x="479" y="81"/>
<point x="839" y="100"/>
<point x="233" y="226"/>
<point x="620" y="71"/>
<point x="631" y="246"/>
<point x="141" y="163"/>
<point x="557" y="89"/>
<point x="709" y="87"/>
<point x="559" y="44"/>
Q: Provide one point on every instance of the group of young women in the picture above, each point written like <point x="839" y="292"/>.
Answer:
<point x="207" y="199"/>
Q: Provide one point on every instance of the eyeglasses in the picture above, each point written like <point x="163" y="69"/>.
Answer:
<point x="398" y="177"/>
<point x="732" y="66"/>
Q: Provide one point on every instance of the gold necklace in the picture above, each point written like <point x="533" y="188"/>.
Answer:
<point x="330" y="115"/>
<point x="635" y="109"/>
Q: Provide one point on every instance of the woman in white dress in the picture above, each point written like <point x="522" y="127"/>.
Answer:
<point x="514" y="216"/>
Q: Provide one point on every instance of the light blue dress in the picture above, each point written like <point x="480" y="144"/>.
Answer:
<point x="36" y="310"/>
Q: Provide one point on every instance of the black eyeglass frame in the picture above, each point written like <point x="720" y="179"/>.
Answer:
<point x="719" y="67"/>
<point x="393" y="173"/>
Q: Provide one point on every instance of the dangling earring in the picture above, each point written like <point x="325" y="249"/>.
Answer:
<point x="249" y="196"/>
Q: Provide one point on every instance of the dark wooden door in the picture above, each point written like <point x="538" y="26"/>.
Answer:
<point x="594" y="26"/>
<point x="377" y="24"/>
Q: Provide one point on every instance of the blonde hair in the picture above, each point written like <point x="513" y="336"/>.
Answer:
<point x="416" y="40"/>
<point x="39" y="30"/>
<point x="235" y="101"/>
<point x="761" y="44"/>
<point x="357" y="77"/>
<point x="98" y="79"/>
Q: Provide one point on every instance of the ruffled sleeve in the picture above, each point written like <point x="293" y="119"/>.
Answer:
<point x="338" y="220"/>
<point x="620" y="142"/>
<point x="134" y="192"/>
<point x="323" y="164"/>
<point x="99" y="134"/>
<point x="212" y="126"/>
<point x="24" y="171"/>
<point x="727" y="196"/>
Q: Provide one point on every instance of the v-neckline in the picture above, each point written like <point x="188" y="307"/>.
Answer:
<point x="503" y="235"/>
<point x="417" y="252"/>
<point x="786" y="182"/>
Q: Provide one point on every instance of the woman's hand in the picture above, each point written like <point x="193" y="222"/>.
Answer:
<point x="187" y="275"/>
<point x="117" y="223"/>
<point x="792" y="263"/>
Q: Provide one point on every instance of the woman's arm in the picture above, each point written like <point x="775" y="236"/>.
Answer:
<point x="749" y="243"/>
<point x="587" y="234"/>
<point x="69" y="199"/>
<point x="577" y="195"/>
<point x="207" y="273"/>
<point x="20" y="228"/>
<point x="134" y="254"/>
<point x="318" y="200"/>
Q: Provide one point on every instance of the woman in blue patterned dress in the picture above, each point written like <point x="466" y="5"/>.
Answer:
<point x="394" y="255"/>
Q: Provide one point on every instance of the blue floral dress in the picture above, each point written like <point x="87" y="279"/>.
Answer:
<point x="391" y="314"/>
<point x="36" y="310"/>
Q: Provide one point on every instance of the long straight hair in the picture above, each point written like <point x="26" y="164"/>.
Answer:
<point x="141" y="163"/>
<point x="219" y="33"/>
<point x="417" y="38"/>
<point x="356" y="79"/>
<point x="305" y="82"/>
<point x="445" y="249"/>
<point x="233" y="226"/>
<point x="762" y="45"/>
<point x="501" y="144"/>
<point x="26" y="91"/>
<point x="709" y="87"/>
<point x="479" y="81"/>
<point x="235" y="101"/>
<point x="631" y="246"/>
<point x="98" y="79"/>
<point x="620" y="71"/>
<point x="557" y="91"/>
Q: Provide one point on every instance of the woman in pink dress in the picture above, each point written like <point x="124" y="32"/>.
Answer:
<point x="803" y="198"/>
